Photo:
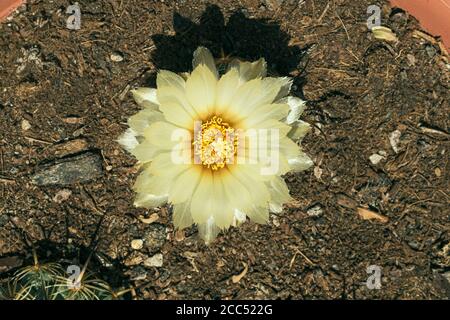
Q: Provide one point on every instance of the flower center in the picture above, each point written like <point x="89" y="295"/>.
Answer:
<point x="215" y="144"/>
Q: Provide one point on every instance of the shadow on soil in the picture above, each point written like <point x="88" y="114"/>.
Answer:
<point x="241" y="37"/>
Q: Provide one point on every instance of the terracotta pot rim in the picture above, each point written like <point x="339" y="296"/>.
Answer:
<point x="8" y="6"/>
<point x="433" y="16"/>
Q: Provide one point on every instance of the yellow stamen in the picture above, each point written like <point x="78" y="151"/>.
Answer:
<point x="215" y="144"/>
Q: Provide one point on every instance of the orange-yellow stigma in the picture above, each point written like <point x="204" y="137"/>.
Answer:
<point x="215" y="145"/>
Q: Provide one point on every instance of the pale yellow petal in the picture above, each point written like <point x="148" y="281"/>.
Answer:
<point x="167" y="78"/>
<point x="300" y="163"/>
<point x="264" y="112"/>
<point x="279" y="192"/>
<point x="283" y="85"/>
<point x="164" y="134"/>
<point x="159" y="184"/>
<point x="253" y="182"/>
<point x="283" y="166"/>
<point x="226" y="89"/>
<point x="297" y="106"/>
<point x="245" y="99"/>
<point x="141" y="120"/>
<point x="145" y="151"/>
<point x="208" y="231"/>
<point x="182" y="215"/>
<point x="235" y="191"/>
<point x="222" y="211"/>
<point x="249" y="70"/>
<point x="176" y="95"/>
<point x="128" y="140"/>
<point x="146" y="183"/>
<point x="203" y="56"/>
<point x="289" y="148"/>
<point x="201" y="90"/>
<point x="299" y="130"/>
<point x="185" y="185"/>
<point x="176" y="114"/>
<point x="239" y="217"/>
<point x="202" y="199"/>
<point x="252" y="95"/>
<point x="146" y="97"/>
<point x="272" y="124"/>
<point x="147" y="200"/>
<point x="258" y="214"/>
<point x="275" y="207"/>
<point x="163" y="166"/>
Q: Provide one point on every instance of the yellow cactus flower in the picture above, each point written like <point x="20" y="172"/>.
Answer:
<point x="215" y="146"/>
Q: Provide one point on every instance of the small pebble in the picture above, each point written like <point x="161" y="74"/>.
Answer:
<point x="437" y="172"/>
<point x="154" y="261"/>
<point x="137" y="244"/>
<point x="315" y="211"/>
<point x="394" y="139"/>
<point x="25" y="125"/>
<point x="116" y="57"/>
<point x="411" y="59"/>
<point x="275" y="221"/>
<point x="62" y="195"/>
<point x="375" y="158"/>
<point x="414" y="245"/>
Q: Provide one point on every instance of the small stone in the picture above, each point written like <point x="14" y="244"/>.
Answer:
<point x="394" y="139"/>
<point x="315" y="211"/>
<point x="437" y="172"/>
<point x="275" y="221"/>
<point x="155" y="236"/>
<point x="137" y="244"/>
<point x="411" y="59"/>
<point x="414" y="245"/>
<point x="25" y="125"/>
<point x="62" y="195"/>
<point x="76" y="169"/>
<point x="116" y="57"/>
<point x="154" y="261"/>
<point x="335" y="267"/>
<point x="375" y="158"/>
